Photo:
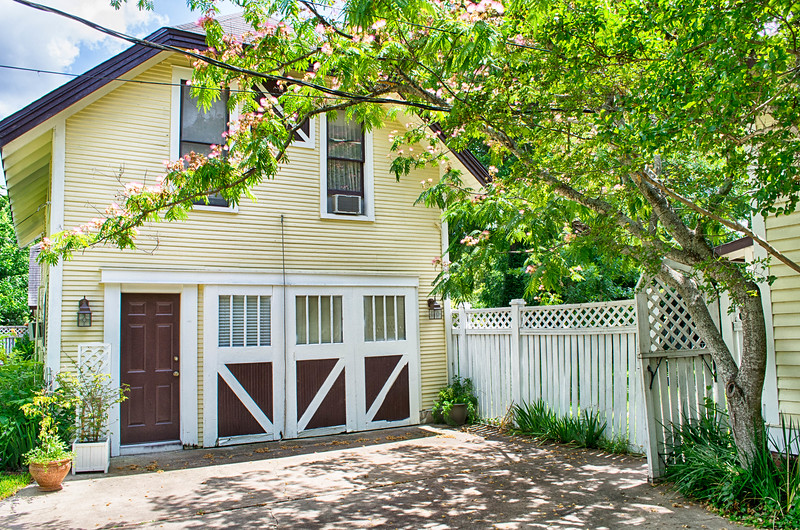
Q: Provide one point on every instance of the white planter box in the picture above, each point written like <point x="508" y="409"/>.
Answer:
<point x="91" y="456"/>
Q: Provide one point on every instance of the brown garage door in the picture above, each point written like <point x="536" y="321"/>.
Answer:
<point x="149" y="364"/>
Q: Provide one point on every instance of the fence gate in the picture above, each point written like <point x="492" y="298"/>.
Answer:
<point x="678" y="373"/>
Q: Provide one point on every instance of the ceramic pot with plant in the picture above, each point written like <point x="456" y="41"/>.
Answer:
<point x="49" y="461"/>
<point x="457" y="403"/>
<point x="93" y="395"/>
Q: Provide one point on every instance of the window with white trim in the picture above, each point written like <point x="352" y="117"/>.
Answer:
<point x="346" y="165"/>
<point x="244" y="321"/>
<point x="199" y="130"/>
<point x="384" y="318"/>
<point x="318" y="319"/>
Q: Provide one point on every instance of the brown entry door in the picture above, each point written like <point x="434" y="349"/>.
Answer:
<point x="149" y="364"/>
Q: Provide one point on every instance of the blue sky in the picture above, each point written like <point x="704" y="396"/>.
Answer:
<point x="33" y="39"/>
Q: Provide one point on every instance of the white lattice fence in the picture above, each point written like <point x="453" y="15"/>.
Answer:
<point x="573" y="357"/>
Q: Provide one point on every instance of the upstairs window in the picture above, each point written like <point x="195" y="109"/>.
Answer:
<point x="345" y="166"/>
<point x="200" y="130"/>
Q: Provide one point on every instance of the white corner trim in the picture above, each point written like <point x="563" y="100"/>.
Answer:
<point x="56" y="272"/>
<point x="369" y="177"/>
<point x="769" y="395"/>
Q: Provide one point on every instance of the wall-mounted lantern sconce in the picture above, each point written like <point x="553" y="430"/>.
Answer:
<point x="434" y="309"/>
<point x="84" y="313"/>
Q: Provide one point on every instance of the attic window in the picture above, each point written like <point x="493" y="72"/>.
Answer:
<point x="200" y="130"/>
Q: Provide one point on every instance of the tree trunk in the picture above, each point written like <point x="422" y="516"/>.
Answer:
<point x="743" y="383"/>
<point x="743" y="391"/>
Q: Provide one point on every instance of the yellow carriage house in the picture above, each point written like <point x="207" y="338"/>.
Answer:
<point x="302" y="313"/>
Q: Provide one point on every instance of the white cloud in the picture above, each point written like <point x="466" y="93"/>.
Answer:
<point x="46" y="41"/>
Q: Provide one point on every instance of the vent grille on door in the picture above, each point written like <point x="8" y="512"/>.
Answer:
<point x="244" y="320"/>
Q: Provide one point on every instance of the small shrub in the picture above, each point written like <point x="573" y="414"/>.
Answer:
<point x="617" y="444"/>
<point x="459" y="391"/>
<point x="49" y="446"/>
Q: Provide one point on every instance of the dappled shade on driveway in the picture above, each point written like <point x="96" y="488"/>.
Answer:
<point x="420" y="477"/>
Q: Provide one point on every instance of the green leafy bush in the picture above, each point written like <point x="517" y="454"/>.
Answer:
<point x="20" y="380"/>
<point x="704" y="464"/>
<point x="44" y="406"/>
<point x="24" y="348"/>
<point x="584" y="430"/>
<point x="459" y="391"/>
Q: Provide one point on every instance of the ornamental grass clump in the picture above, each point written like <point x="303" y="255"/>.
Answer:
<point x="583" y="430"/>
<point x="706" y="466"/>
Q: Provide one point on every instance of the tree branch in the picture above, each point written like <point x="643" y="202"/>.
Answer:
<point x="730" y="224"/>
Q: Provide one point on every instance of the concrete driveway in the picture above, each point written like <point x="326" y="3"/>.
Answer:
<point x="421" y="477"/>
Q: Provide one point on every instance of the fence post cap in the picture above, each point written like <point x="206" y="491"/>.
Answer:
<point x="518" y="301"/>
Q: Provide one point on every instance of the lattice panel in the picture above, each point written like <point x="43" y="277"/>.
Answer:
<point x="456" y="319"/>
<point x="95" y="358"/>
<point x="17" y="331"/>
<point x="671" y="327"/>
<point x="579" y="317"/>
<point x="495" y="319"/>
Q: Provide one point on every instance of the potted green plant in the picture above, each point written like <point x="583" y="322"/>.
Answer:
<point x="93" y="395"/>
<point x="457" y="403"/>
<point x="49" y="461"/>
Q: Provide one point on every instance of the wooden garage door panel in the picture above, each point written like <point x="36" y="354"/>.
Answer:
<point x="333" y="409"/>
<point x="396" y="405"/>
<point x="234" y="418"/>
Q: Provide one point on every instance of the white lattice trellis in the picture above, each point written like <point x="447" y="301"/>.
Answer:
<point x="670" y="326"/>
<point x="489" y="319"/>
<point x="583" y="316"/>
<point x="95" y="357"/>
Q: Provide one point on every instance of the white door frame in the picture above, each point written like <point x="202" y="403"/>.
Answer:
<point x="112" y="334"/>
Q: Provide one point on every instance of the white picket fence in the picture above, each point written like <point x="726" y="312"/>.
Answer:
<point x="578" y="357"/>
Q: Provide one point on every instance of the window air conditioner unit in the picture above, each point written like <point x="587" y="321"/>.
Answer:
<point x="349" y="204"/>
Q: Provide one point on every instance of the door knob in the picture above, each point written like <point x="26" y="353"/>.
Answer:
<point x="176" y="373"/>
<point x="175" y="358"/>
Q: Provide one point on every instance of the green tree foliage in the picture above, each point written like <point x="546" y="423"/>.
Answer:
<point x="640" y="129"/>
<point x="13" y="272"/>
<point x="500" y="270"/>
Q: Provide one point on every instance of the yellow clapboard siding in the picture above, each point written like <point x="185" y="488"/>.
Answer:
<point x="125" y="136"/>
<point x="784" y="233"/>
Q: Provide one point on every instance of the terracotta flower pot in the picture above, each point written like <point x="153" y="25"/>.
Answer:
<point x="49" y="476"/>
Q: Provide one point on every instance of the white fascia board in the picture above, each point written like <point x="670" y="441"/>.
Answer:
<point x="217" y="277"/>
